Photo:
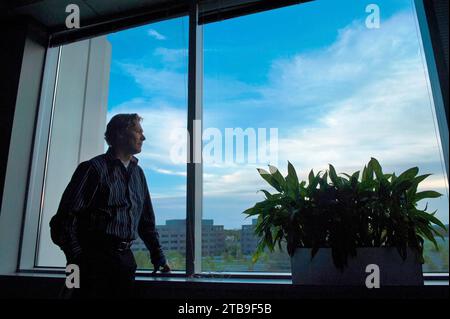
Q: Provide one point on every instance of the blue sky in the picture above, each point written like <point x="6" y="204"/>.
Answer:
<point x="337" y="92"/>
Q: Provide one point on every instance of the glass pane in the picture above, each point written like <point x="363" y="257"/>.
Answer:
<point x="143" y="70"/>
<point x="336" y="87"/>
<point x="149" y="77"/>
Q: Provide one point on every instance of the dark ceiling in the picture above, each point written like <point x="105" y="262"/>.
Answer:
<point x="105" y="16"/>
<point x="52" y="13"/>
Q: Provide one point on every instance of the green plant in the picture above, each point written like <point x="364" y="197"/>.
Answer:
<point x="344" y="212"/>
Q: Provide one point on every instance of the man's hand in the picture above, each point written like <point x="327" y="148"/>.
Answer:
<point x="164" y="269"/>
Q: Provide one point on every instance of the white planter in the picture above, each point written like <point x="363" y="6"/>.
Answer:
<point x="321" y="270"/>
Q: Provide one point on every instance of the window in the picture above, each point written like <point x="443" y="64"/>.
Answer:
<point x="141" y="70"/>
<point x="277" y="85"/>
<point x="336" y="90"/>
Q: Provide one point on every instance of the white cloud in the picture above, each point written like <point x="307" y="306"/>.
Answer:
<point x="218" y="88"/>
<point x="168" y="171"/>
<point x="434" y="182"/>
<point x="170" y="82"/>
<point x="172" y="57"/>
<point x="164" y="83"/>
<point x="357" y="58"/>
<point x="396" y="127"/>
<point x="243" y="180"/>
<point x="378" y="106"/>
<point x="156" y="35"/>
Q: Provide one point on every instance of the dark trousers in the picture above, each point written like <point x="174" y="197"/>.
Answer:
<point x="106" y="273"/>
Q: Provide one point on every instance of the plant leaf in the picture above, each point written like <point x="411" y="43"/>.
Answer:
<point x="333" y="176"/>
<point x="278" y="177"/>
<point x="269" y="179"/>
<point x="426" y="194"/>
<point x="408" y="174"/>
<point x="376" y="168"/>
<point x="268" y="195"/>
<point x="292" y="182"/>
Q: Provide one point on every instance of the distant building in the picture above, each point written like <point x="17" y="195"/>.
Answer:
<point x="249" y="241"/>
<point x="172" y="236"/>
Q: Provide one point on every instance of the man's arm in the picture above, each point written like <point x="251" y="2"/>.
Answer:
<point x="147" y="230"/>
<point x="75" y="199"/>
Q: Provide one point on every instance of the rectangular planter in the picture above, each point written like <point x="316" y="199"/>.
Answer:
<point x="393" y="271"/>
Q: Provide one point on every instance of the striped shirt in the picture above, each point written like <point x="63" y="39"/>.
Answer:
<point x="104" y="198"/>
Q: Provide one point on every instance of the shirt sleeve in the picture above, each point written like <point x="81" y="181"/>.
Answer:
<point x="147" y="229"/>
<point x="76" y="198"/>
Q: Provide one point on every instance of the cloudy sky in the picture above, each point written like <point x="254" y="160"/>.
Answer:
<point x="336" y="91"/>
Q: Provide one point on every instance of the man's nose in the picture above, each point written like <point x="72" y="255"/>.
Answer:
<point x="143" y="137"/>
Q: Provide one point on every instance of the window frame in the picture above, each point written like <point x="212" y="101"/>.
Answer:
<point x="38" y="167"/>
<point x="32" y="222"/>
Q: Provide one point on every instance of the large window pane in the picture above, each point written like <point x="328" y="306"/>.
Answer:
<point x="77" y="128"/>
<point x="144" y="71"/>
<point x="149" y="77"/>
<point x="338" y="88"/>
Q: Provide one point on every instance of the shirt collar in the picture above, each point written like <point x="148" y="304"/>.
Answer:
<point x="111" y="157"/>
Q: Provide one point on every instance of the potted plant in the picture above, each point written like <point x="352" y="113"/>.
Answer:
<point x="335" y="226"/>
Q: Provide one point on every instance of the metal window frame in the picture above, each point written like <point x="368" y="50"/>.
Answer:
<point x="32" y="223"/>
<point x="118" y="22"/>
<point x="194" y="125"/>
<point x="208" y="11"/>
<point x="433" y="75"/>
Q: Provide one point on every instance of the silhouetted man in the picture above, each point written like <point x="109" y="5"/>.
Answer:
<point x="105" y="204"/>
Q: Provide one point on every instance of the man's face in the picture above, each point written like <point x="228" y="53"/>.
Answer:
<point x="134" y="139"/>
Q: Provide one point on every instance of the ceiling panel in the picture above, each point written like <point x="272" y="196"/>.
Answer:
<point x="107" y="7"/>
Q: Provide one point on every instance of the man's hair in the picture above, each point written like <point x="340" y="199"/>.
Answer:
<point x="119" y="124"/>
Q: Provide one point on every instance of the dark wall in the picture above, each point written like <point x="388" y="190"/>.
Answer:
<point x="440" y="8"/>
<point x="12" y="43"/>
<point x="13" y="35"/>
<point x="437" y="16"/>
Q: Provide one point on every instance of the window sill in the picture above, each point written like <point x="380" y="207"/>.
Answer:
<point x="49" y="285"/>
<point x="211" y="278"/>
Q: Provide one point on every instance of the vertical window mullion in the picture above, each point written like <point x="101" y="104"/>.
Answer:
<point x="194" y="126"/>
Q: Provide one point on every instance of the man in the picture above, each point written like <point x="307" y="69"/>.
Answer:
<point x="105" y="204"/>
